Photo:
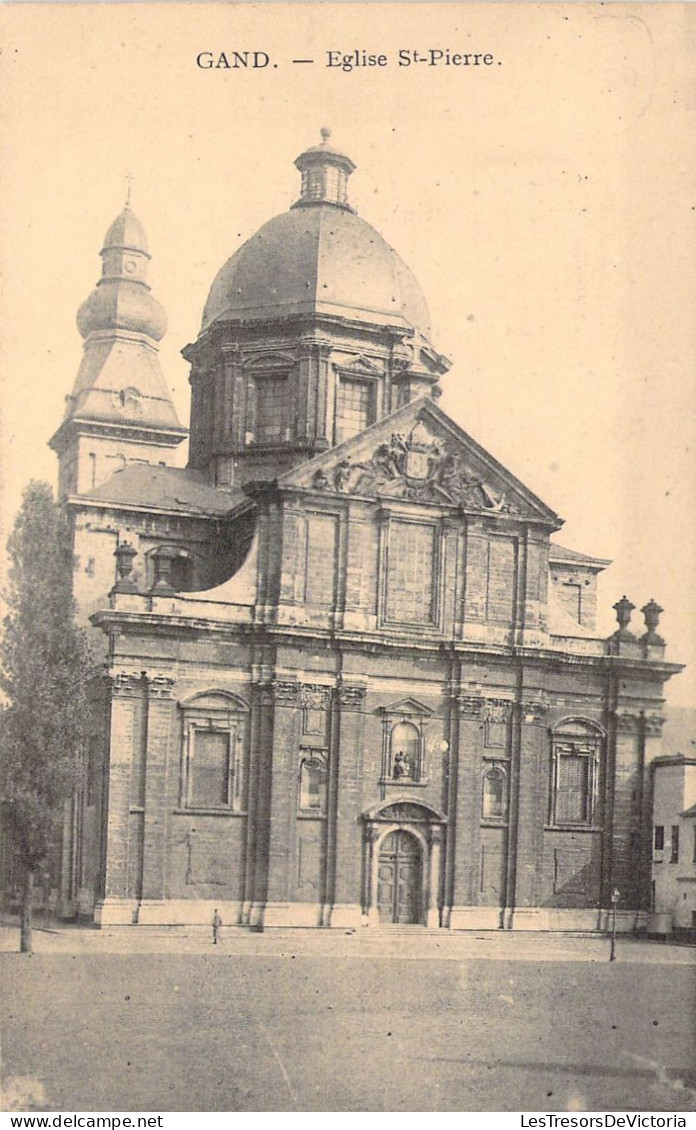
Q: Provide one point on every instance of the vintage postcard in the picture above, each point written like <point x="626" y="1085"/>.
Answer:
<point x="356" y="345"/>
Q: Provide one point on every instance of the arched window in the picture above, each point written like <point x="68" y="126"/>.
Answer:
<point x="214" y="726"/>
<point x="313" y="780"/>
<point x="405" y="761"/>
<point x="575" y="753"/>
<point x="494" y="799"/>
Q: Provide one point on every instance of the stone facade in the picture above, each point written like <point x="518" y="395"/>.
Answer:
<point x="375" y="693"/>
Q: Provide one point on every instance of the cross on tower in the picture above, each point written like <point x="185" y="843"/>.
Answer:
<point x="129" y="178"/>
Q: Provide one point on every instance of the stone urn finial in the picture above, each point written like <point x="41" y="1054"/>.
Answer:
<point x="124" y="554"/>
<point x="623" y="609"/>
<point x="163" y="560"/>
<point x="651" y="614"/>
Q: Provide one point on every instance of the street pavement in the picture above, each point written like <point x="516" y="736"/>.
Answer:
<point x="146" y="1019"/>
<point x="407" y="943"/>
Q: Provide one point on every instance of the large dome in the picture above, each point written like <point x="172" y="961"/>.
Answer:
<point x="319" y="257"/>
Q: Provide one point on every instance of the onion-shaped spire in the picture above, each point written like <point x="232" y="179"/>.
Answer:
<point x="122" y="300"/>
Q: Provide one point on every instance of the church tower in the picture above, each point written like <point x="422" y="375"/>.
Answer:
<point x="120" y="410"/>
<point x="313" y="330"/>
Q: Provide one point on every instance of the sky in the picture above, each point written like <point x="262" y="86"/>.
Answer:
<point x="545" y="202"/>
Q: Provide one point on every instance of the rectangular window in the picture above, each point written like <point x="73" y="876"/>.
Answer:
<point x="271" y="409"/>
<point x="355" y="407"/>
<point x="573" y="789"/>
<point x="674" y="853"/>
<point x="210" y="769"/>
<point x="410" y="573"/>
<point x="693" y="858"/>
<point x="659" y="837"/>
<point x="576" y="756"/>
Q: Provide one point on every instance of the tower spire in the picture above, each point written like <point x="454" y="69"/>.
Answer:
<point x="129" y="184"/>
<point x="120" y="391"/>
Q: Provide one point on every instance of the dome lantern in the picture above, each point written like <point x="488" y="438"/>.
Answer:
<point x="325" y="174"/>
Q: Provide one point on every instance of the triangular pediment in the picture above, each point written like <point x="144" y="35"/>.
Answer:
<point x="418" y="454"/>
<point x="407" y="706"/>
<point x="362" y="365"/>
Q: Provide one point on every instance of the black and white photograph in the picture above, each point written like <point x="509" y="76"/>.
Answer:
<point x="348" y="661"/>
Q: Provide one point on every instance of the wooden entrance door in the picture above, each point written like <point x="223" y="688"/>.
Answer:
<point x="399" y="879"/>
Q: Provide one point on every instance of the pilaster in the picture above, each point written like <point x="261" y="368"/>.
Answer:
<point x="261" y="744"/>
<point x="474" y="604"/>
<point x="126" y="699"/>
<point x="528" y="805"/>
<point x="348" y="757"/>
<point x="283" y="797"/>
<point x="534" y="598"/>
<point x="625" y="871"/>
<point x="161" y="715"/>
<point x="468" y="808"/>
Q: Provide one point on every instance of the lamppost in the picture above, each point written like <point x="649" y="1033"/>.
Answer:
<point x="615" y="896"/>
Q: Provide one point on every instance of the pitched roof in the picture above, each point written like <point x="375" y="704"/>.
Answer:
<point x="142" y="485"/>
<point x="561" y="555"/>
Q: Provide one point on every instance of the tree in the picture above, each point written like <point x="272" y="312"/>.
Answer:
<point x="44" y="672"/>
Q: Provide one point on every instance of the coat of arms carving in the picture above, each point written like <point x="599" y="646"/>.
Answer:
<point x="416" y="466"/>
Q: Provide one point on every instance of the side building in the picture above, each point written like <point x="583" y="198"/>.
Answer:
<point x="349" y="676"/>
<point x="673" y="902"/>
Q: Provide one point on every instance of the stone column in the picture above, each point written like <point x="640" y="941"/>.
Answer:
<point x="161" y="718"/>
<point x="348" y="753"/>
<point x="282" y="801"/>
<point x="117" y="905"/>
<point x="528" y="815"/>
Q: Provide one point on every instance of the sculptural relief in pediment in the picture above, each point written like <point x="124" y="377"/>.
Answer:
<point x="416" y="466"/>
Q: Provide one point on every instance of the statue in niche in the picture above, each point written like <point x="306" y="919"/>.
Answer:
<point x="402" y="766"/>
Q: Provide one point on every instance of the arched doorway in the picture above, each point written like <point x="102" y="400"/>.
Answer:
<point x="399" y="881"/>
<point x="401" y="863"/>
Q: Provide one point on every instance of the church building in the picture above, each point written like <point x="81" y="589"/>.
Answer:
<point x="351" y="678"/>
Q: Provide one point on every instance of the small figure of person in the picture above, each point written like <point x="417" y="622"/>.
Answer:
<point x="217" y="923"/>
